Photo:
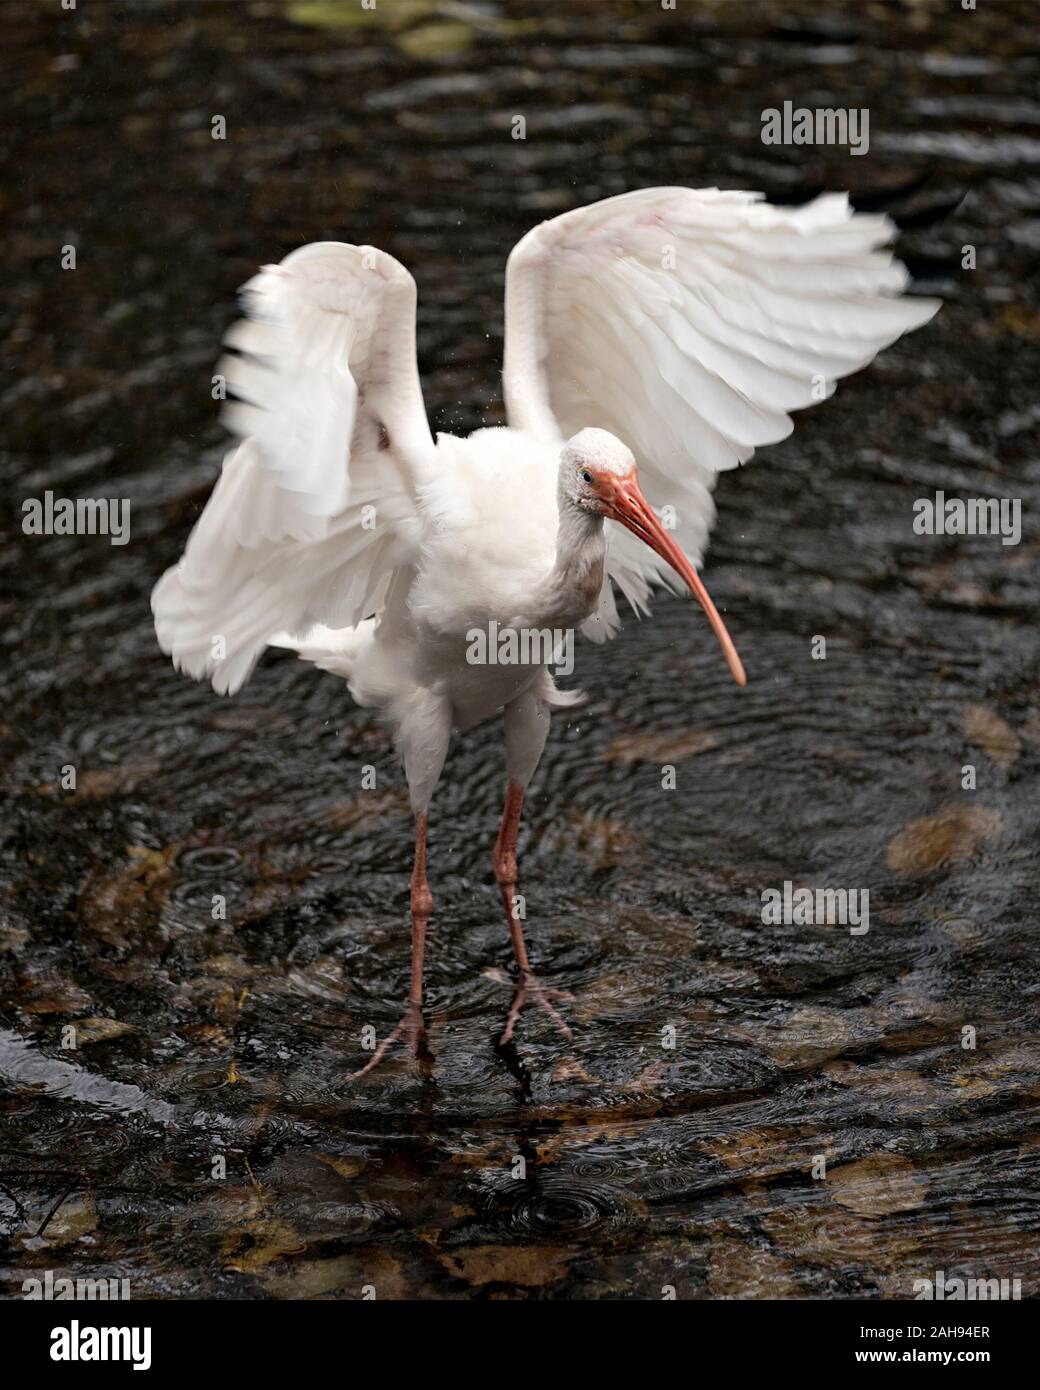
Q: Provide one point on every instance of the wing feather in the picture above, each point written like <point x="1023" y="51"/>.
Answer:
<point x="316" y="507"/>
<point x="690" y="324"/>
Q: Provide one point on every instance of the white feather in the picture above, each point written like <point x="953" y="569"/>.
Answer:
<point x="324" y="372"/>
<point x="689" y="323"/>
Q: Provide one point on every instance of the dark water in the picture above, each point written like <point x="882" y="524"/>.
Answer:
<point x="201" y="1040"/>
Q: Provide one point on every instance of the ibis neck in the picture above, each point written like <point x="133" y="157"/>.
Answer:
<point x="577" y="575"/>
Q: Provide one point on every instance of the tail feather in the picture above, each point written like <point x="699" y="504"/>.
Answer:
<point x="329" y="648"/>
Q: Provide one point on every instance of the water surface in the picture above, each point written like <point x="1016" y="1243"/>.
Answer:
<point x="612" y="1166"/>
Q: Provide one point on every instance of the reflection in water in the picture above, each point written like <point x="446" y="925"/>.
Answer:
<point x="220" y="909"/>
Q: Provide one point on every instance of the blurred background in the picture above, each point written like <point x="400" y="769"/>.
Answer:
<point x="201" y="1039"/>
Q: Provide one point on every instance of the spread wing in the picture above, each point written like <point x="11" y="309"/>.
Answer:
<point x="316" y="507"/>
<point x="689" y="323"/>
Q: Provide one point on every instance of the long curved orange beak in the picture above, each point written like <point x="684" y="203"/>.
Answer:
<point x="623" y="501"/>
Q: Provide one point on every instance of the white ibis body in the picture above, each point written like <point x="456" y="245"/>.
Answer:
<point x="652" y="340"/>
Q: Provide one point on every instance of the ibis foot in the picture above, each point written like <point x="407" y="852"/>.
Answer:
<point x="412" y="1031"/>
<point x="528" y="989"/>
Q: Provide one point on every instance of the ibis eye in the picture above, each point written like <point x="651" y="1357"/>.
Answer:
<point x="586" y="476"/>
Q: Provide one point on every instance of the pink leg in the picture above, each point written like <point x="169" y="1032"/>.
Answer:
<point x="504" y="860"/>
<point x="422" y="906"/>
<point x="411" y="1026"/>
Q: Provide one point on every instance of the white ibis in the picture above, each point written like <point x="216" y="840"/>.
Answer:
<point x="651" y="340"/>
